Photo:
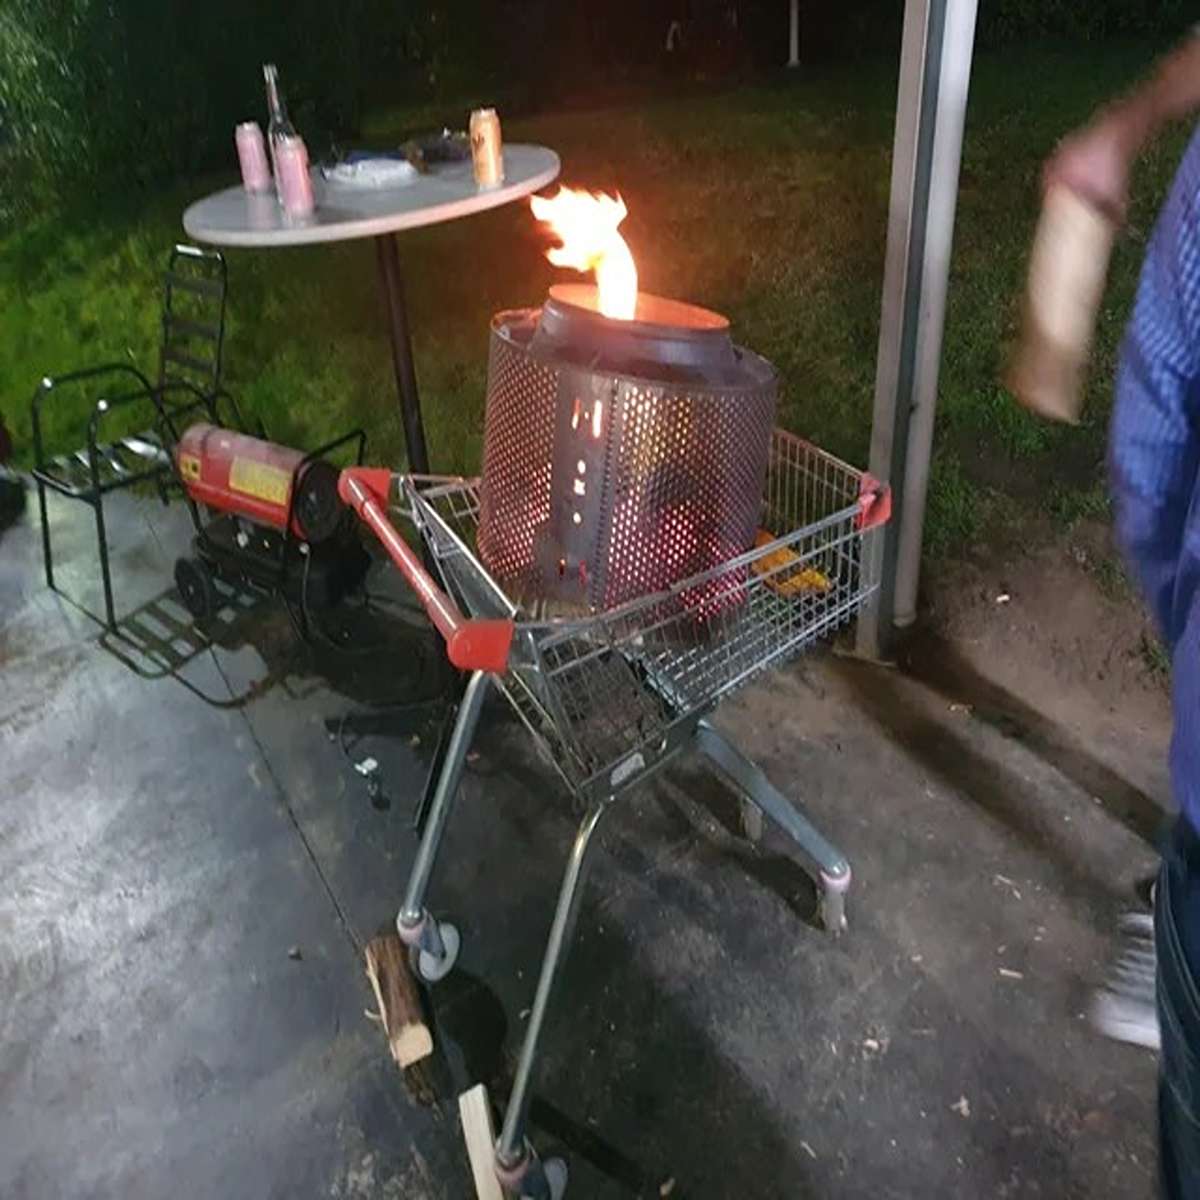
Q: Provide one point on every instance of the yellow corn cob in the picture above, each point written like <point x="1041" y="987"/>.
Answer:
<point x="779" y="579"/>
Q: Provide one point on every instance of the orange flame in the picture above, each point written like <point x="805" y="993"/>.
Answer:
<point x="585" y="224"/>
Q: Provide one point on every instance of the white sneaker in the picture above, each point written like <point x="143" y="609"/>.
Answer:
<point x="1125" y="1008"/>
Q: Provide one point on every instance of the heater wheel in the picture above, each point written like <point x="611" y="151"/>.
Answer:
<point x="195" y="583"/>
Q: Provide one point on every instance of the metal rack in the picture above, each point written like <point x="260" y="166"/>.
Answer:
<point x="611" y="697"/>
<point x="193" y="335"/>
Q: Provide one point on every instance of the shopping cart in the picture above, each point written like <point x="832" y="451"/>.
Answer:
<point x="612" y="697"/>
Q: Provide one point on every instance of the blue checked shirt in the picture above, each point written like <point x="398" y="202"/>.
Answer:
<point x="1155" y="453"/>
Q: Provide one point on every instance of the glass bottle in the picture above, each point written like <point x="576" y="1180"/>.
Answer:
<point x="279" y="126"/>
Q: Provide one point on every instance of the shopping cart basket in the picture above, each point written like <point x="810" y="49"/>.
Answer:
<point x="611" y="697"/>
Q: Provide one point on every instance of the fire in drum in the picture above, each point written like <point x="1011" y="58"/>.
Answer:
<point x="626" y="437"/>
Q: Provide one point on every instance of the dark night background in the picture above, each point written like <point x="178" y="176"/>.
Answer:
<point x="155" y="85"/>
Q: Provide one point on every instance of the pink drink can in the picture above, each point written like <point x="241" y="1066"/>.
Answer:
<point x="252" y="157"/>
<point x="295" y="184"/>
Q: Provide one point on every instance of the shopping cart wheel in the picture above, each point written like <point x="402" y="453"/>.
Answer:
<point x="832" y="911"/>
<point x="434" y="967"/>
<point x="532" y="1179"/>
<point x="556" y="1177"/>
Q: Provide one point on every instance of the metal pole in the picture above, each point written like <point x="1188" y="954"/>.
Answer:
<point x="511" y="1143"/>
<point x="412" y="910"/>
<point x="958" y="40"/>
<point x="794" y="35"/>
<point x="749" y="779"/>
<point x="402" y="358"/>
<point x="935" y="70"/>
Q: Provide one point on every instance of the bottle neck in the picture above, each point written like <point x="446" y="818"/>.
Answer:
<point x="274" y="103"/>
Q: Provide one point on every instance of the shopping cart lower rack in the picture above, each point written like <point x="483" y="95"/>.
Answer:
<point x="611" y="697"/>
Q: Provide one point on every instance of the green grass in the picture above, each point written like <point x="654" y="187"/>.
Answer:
<point x="1069" y="505"/>
<point x="769" y="203"/>
<point x="1155" y="657"/>
<point x="955" y="508"/>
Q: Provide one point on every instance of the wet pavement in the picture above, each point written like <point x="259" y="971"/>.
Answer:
<point x="190" y="864"/>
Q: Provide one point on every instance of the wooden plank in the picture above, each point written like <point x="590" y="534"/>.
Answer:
<point x="480" y="1135"/>
<point x="399" y="1003"/>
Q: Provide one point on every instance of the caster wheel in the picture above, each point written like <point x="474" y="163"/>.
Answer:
<point x="556" y="1177"/>
<point x="432" y="968"/>
<point x="195" y="583"/>
<point x="833" y="911"/>
<point x="538" y="1180"/>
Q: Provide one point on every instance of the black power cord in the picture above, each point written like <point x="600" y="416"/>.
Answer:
<point x="375" y="719"/>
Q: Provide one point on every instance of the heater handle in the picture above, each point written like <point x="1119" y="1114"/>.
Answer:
<point x="472" y="644"/>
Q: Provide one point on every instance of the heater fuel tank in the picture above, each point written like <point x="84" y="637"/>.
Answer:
<point x="259" y="480"/>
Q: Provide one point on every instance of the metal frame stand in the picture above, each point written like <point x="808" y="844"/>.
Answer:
<point x="402" y="355"/>
<point x="103" y="468"/>
<point x="90" y="473"/>
<point x="434" y="945"/>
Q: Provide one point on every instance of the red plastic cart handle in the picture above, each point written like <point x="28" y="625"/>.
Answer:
<point x="874" y="503"/>
<point x="472" y="644"/>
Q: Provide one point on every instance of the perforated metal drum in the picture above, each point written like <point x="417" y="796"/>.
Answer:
<point x="619" y="456"/>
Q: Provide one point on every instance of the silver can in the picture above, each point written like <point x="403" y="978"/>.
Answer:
<point x="487" y="148"/>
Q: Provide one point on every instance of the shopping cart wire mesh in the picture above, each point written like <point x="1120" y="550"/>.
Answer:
<point x="603" y="693"/>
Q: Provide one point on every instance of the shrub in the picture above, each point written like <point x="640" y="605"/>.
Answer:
<point x="121" y="93"/>
<point x="832" y="27"/>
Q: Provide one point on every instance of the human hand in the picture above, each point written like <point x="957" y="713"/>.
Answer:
<point x="1095" y="163"/>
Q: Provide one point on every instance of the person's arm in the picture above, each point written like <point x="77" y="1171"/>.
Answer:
<point x="1155" y="437"/>
<point x="1096" y="161"/>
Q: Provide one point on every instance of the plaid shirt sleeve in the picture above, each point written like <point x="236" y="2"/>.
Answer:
<point x="1155" y="439"/>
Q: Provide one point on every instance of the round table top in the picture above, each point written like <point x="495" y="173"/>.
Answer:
<point x="236" y="217"/>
